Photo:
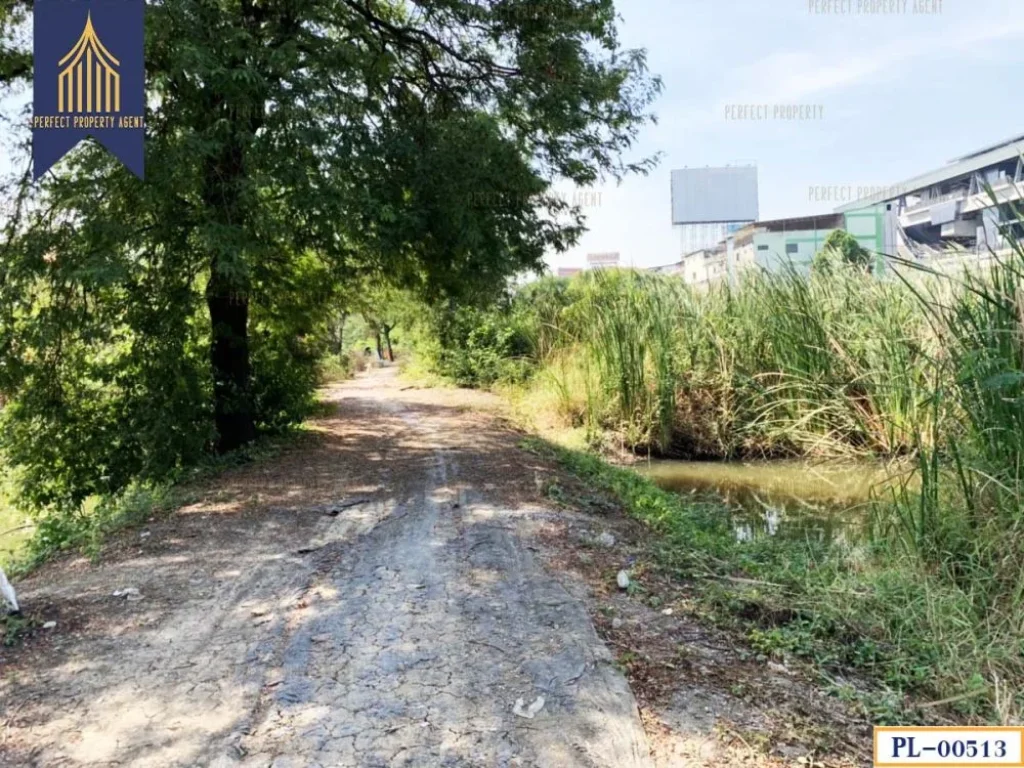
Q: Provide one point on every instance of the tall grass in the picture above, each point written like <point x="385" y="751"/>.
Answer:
<point x="780" y="365"/>
<point x="837" y="363"/>
<point x="625" y="324"/>
<point x="965" y="526"/>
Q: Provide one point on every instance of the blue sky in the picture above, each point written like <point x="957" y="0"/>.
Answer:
<point x="901" y="93"/>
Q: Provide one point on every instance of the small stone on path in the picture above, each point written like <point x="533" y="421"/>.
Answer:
<point x="528" y="712"/>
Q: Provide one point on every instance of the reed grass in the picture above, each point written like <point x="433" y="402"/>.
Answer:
<point x="930" y="367"/>
<point x="781" y="365"/>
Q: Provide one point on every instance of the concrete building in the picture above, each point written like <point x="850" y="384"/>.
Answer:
<point x="963" y="207"/>
<point x="771" y="245"/>
<point x="768" y="245"/>
<point x="675" y="268"/>
<point x="704" y="267"/>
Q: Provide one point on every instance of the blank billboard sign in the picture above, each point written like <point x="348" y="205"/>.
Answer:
<point x="714" y="195"/>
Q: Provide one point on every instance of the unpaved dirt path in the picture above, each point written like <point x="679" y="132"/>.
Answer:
<point x="400" y="632"/>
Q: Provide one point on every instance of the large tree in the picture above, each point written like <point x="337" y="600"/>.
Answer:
<point x="413" y="139"/>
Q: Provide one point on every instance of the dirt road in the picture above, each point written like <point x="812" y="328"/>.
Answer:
<point x="371" y="598"/>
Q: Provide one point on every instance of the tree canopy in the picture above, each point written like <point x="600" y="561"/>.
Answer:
<point x="292" y="147"/>
<point x="842" y="247"/>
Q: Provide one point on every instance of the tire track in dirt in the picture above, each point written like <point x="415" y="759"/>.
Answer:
<point x="404" y="634"/>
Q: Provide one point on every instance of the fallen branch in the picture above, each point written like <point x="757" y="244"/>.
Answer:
<point x="19" y="528"/>
<point x="739" y="580"/>
<point x="952" y="699"/>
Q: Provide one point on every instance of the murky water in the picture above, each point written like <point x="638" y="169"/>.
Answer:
<point x="825" y="501"/>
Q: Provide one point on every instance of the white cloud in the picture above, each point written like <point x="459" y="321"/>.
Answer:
<point x="799" y="77"/>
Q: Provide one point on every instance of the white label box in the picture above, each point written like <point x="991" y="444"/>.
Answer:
<point x="928" y="747"/>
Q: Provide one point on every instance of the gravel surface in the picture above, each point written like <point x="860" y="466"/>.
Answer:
<point x="374" y="597"/>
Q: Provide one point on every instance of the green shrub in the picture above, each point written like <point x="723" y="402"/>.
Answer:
<point x="478" y="348"/>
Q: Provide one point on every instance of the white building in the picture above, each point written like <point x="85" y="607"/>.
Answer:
<point x="767" y="245"/>
<point x="965" y="206"/>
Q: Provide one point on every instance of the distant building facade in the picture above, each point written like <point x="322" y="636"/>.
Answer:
<point x="952" y="217"/>
<point x="767" y="245"/>
<point x="966" y="206"/>
<point x="603" y="260"/>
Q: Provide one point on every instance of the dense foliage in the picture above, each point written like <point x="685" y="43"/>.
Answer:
<point x="294" y="151"/>
<point x="925" y="369"/>
<point x="842" y="247"/>
<point x="715" y="374"/>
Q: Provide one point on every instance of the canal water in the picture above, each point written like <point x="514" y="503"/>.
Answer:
<point x="822" y="501"/>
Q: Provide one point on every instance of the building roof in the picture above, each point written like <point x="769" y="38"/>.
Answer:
<point x="795" y="224"/>
<point x="801" y="223"/>
<point x="982" y="158"/>
<point x="709" y="252"/>
<point x="989" y="148"/>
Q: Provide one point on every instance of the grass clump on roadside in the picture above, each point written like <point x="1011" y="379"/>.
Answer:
<point x="98" y="517"/>
<point x="837" y="607"/>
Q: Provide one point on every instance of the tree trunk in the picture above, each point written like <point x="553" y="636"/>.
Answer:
<point x="227" y="293"/>
<point x="387" y="341"/>
<point x="229" y="358"/>
<point x="339" y="349"/>
<point x="380" y="347"/>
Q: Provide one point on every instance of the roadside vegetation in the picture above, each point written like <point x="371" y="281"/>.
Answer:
<point x="325" y="177"/>
<point x="925" y="374"/>
<point x="15" y="528"/>
<point x="306" y="164"/>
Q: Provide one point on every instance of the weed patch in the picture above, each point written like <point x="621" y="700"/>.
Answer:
<point x="874" y="614"/>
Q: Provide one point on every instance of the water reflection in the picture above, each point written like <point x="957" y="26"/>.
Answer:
<point x="793" y="499"/>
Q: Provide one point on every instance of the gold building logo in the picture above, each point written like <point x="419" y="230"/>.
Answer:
<point x="90" y="82"/>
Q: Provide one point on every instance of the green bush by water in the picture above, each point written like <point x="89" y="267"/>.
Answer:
<point x="780" y="365"/>
<point x="836" y="362"/>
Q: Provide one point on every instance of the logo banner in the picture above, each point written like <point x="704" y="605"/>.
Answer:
<point x="89" y="79"/>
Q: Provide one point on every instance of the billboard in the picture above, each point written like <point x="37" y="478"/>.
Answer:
<point x="714" y="195"/>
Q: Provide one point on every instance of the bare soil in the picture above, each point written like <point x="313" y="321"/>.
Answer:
<point x="396" y="589"/>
